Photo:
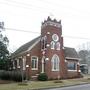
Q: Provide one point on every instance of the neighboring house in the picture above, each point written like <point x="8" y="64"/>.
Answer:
<point x="46" y="54"/>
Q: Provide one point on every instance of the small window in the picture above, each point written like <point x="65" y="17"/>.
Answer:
<point x="55" y="63"/>
<point x="71" y="66"/>
<point x="45" y="41"/>
<point x="42" y="43"/>
<point x="57" y="46"/>
<point x="52" y="45"/>
<point x="34" y="61"/>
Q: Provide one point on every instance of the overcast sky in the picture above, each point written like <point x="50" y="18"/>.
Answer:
<point x="27" y="15"/>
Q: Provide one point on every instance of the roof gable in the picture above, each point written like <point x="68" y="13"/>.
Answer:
<point x="26" y="47"/>
<point x="70" y="53"/>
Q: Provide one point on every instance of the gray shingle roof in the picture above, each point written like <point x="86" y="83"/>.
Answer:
<point x="70" y="52"/>
<point x="25" y="47"/>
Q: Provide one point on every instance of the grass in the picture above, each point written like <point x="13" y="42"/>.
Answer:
<point x="44" y="84"/>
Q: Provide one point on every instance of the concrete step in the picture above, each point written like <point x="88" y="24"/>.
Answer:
<point x="34" y="78"/>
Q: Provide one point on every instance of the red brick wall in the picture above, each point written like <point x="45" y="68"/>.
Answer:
<point x="73" y="73"/>
<point x="35" y="51"/>
<point x="49" y="52"/>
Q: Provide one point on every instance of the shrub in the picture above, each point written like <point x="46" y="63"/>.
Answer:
<point x="1" y="74"/>
<point x="5" y="75"/>
<point x="42" y="77"/>
<point x="17" y="76"/>
<point x="12" y="75"/>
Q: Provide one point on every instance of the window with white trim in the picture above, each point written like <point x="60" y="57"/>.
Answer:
<point x="52" y="45"/>
<point x="57" y="46"/>
<point x="55" y="37"/>
<point x="55" y="63"/>
<point x="71" y="65"/>
<point x="34" y="60"/>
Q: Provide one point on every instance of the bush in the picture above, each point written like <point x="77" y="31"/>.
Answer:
<point x="12" y="75"/>
<point x="1" y="74"/>
<point x="16" y="76"/>
<point x="4" y="75"/>
<point x="42" y="77"/>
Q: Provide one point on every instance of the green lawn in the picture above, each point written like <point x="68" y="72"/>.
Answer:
<point x="45" y="84"/>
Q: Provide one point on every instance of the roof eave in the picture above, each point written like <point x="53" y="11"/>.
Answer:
<point x="26" y="51"/>
<point x="72" y="58"/>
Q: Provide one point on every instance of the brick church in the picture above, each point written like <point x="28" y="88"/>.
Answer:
<point x="47" y="54"/>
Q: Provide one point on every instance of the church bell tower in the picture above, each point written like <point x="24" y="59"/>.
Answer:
<point x="52" y="48"/>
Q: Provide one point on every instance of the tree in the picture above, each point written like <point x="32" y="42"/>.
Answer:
<point x="4" y="53"/>
<point x="83" y="55"/>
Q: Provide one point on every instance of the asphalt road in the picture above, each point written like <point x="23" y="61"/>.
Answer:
<point x="78" y="87"/>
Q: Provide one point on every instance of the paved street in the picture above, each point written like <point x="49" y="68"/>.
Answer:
<point x="78" y="87"/>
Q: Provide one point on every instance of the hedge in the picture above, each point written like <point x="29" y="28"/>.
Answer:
<point x="12" y="75"/>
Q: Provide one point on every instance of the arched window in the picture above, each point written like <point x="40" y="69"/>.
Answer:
<point x="55" y="63"/>
<point x="57" y="46"/>
<point x="52" y="45"/>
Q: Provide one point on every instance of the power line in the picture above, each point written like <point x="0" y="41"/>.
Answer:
<point x="25" y="6"/>
<point x="21" y="30"/>
<point x="47" y="2"/>
<point x="30" y="6"/>
<point x="58" y="5"/>
<point x="74" y="37"/>
<point x="27" y="31"/>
